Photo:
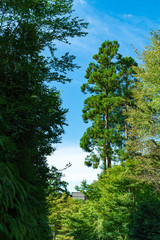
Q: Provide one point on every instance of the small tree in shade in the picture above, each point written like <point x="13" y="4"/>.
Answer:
<point x="109" y="84"/>
<point x="146" y="220"/>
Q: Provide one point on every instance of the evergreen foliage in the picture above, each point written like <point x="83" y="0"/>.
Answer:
<point x="56" y="186"/>
<point x="146" y="219"/>
<point x="110" y="80"/>
<point x="31" y="116"/>
<point x="112" y="208"/>
<point x="60" y="207"/>
<point x="119" y="207"/>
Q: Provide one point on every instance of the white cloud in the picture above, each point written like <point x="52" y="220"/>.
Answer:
<point x="127" y="15"/>
<point x="78" y="171"/>
<point x="127" y="29"/>
<point x="82" y="2"/>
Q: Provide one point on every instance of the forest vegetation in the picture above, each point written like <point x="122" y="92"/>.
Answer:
<point x="122" y="109"/>
<point x="125" y="201"/>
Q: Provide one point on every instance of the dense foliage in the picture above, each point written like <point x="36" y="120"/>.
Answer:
<point x="31" y="115"/>
<point x="144" y="144"/>
<point x="56" y="186"/>
<point x="119" y="207"/>
<point x="110" y="80"/>
<point x="123" y="109"/>
<point x="124" y="203"/>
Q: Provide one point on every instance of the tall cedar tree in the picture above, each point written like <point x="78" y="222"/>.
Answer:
<point x="31" y="116"/>
<point x="110" y="80"/>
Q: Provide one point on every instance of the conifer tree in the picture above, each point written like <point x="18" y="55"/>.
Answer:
<point x="109" y="84"/>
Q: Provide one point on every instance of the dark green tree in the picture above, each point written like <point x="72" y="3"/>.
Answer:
<point x="57" y="186"/>
<point x="146" y="219"/>
<point x="109" y="84"/>
<point x="31" y="115"/>
<point x="143" y="146"/>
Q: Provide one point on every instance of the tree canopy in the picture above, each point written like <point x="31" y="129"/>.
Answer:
<point x="124" y="203"/>
<point x="144" y="117"/>
<point x="31" y="117"/>
<point x="124" y="115"/>
<point x="109" y="84"/>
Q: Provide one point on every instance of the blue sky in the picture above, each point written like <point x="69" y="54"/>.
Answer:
<point x="128" y="22"/>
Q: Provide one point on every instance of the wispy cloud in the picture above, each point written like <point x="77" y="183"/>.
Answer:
<point x="82" y="2"/>
<point x="127" y="28"/>
<point x="127" y="15"/>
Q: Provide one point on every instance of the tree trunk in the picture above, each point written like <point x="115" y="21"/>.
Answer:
<point x="126" y="130"/>
<point x="108" y="146"/>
